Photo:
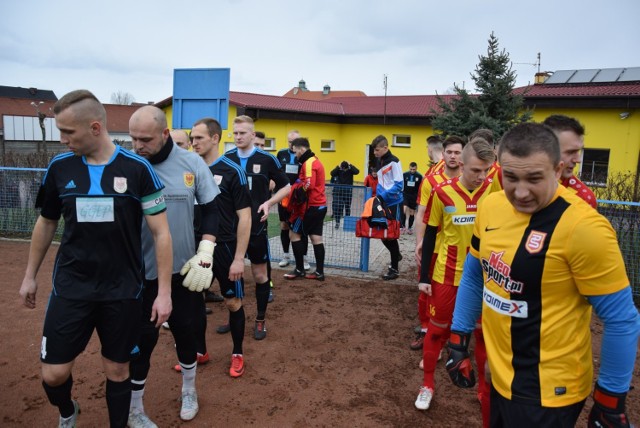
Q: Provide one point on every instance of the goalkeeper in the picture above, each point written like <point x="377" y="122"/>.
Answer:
<point x="187" y="179"/>
<point x="540" y="260"/>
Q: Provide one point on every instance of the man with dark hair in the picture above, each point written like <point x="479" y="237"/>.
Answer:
<point x="258" y="140"/>
<point x="342" y="177"/>
<point x="540" y="261"/>
<point x="390" y="185"/>
<point x="570" y="135"/>
<point x="311" y="221"/>
<point x="290" y="166"/>
<point x="103" y="192"/>
<point x="187" y="180"/>
<point x="451" y="210"/>
<point x="261" y="168"/>
<point x="234" y="227"/>
<point x="412" y="180"/>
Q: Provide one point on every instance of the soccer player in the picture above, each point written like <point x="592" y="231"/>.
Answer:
<point x="181" y="138"/>
<point x="452" y="148"/>
<point x="260" y="168"/>
<point x="570" y="134"/>
<point x="435" y="150"/>
<point x="452" y="208"/>
<point x="390" y="184"/>
<point x="232" y="238"/>
<point x="412" y="180"/>
<point x="103" y="192"/>
<point x="342" y="176"/>
<point x="540" y="261"/>
<point x="290" y="166"/>
<point x="311" y="221"/>
<point x="187" y="180"/>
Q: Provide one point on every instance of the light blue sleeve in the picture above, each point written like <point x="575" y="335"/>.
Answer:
<point x="469" y="300"/>
<point x="619" y="340"/>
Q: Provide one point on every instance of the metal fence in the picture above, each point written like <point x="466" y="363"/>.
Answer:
<point x="19" y="186"/>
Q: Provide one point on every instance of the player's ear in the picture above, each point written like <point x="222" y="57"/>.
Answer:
<point x="558" y="170"/>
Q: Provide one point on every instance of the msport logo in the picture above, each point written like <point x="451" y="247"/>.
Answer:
<point x="510" y="308"/>
<point x="461" y="220"/>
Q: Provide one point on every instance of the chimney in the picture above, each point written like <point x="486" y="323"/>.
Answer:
<point x="541" y="77"/>
<point x="302" y="85"/>
<point x="326" y="89"/>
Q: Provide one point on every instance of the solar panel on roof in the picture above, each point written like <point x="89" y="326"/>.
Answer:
<point x="608" y="75"/>
<point x="630" y="74"/>
<point x="583" y="76"/>
<point x="560" y="76"/>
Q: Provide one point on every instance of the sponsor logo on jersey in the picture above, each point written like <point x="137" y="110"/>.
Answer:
<point x="120" y="184"/>
<point x="472" y="207"/>
<point x="535" y="242"/>
<point x="256" y="168"/>
<point x="70" y="185"/>
<point x="450" y="209"/>
<point x="462" y="220"/>
<point x="500" y="272"/>
<point x="510" y="308"/>
<point x="189" y="178"/>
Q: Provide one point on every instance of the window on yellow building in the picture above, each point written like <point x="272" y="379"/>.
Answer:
<point x="270" y="144"/>
<point x="595" y="166"/>
<point x="328" y="145"/>
<point x="401" y="140"/>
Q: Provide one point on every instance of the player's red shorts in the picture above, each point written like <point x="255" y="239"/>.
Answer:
<point x="442" y="302"/>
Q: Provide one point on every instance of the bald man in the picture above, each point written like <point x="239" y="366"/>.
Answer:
<point x="187" y="179"/>
<point x="181" y="138"/>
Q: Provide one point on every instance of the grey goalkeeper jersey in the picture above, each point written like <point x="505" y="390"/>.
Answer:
<point x="187" y="179"/>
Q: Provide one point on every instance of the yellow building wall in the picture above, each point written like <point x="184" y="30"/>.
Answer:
<point x="604" y="130"/>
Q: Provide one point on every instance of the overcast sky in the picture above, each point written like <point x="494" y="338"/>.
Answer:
<point x="422" y="46"/>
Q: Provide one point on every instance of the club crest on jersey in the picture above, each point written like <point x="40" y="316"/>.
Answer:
<point x="500" y="272"/>
<point x="217" y="179"/>
<point x="535" y="242"/>
<point x="188" y="178"/>
<point x="256" y="168"/>
<point x="120" y="184"/>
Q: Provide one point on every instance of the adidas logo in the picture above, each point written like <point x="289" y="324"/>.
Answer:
<point x="70" y="185"/>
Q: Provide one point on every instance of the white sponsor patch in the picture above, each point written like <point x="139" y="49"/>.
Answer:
<point x="291" y="169"/>
<point x="463" y="219"/>
<point x="43" y="348"/>
<point x="510" y="308"/>
<point x="94" y="210"/>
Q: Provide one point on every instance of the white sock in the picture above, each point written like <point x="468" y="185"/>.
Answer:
<point x="188" y="376"/>
<point x="136" y="400"/>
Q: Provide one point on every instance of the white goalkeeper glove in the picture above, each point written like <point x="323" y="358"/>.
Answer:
<point x="199" y="268"/>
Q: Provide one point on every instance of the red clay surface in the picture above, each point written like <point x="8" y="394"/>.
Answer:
<point x="337" y="354"/>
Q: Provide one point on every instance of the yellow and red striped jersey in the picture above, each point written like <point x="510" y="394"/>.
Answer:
<point x="576" y="186"/>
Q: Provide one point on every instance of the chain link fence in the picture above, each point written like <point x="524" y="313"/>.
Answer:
<point x="19" y="187"/>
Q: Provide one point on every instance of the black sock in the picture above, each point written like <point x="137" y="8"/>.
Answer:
<point x="318" y="251"/>
<point x="298" y="253"/>
<point x="262" y="299"/>
<point x="403" y="219"/>
<point x="284" y="238"/>
<point x="394" y="248"/>
<point x="305" y="243"/>
<point x="236" y="322"/>
<point x="411" y="218"/>
<point x="118" y="400"/>
<point x="60" y="396"/>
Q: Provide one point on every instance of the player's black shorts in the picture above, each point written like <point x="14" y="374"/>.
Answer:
<point x="69" y="324"/>
<point x="283" y="213"/>
<point x="258" y="250"/>
<point x="222" y="259"/>
<point x="185" y="303"/>
<point x="312" y="223"/>
<point x="507" y="413"/>
<point x="410" y="201"/>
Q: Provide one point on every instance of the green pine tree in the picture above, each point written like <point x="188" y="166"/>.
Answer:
<point x="495" y="106"/>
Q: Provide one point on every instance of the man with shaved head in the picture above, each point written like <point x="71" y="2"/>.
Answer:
<point x="181" y="138"/>
<point x="103" y="192"/>
<point x="187" y="179"/>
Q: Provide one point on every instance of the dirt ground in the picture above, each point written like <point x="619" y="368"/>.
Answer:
<point x="336" y="355"/>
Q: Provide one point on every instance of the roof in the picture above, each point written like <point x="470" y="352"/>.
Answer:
<point x="320" y="95"/>
<point x="618" y="89"/>
<point x="272" y="102"/>
<point x="27" y="93"/>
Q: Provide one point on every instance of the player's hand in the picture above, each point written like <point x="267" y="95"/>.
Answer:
<point x="458" y="363"/>
<point x="608" y="409"/>
<point x="199" y="268"/>
<point x="418" y="253"/>
<point x="264" y="209"/>
<point x="236" y="271"/>
<point x="425" y="288"/>
<point x="161" y="309"/>
<point x="28" y="291"/>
